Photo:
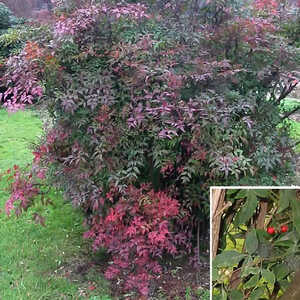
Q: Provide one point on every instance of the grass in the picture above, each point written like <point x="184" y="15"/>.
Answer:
<point x="295" y="133"/>
<point x="288" y="105"/>
<point x="37" y="262"/>
<point x="17" y="132"/>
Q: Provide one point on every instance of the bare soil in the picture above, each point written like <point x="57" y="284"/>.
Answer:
<point x="177" y="280"/>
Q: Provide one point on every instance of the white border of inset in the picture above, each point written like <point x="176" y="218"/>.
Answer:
<point x="291" y="187"/>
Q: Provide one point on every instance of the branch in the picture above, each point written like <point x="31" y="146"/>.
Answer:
<point x="297" y="143"/>
<point x="286" y="115"/>
<point x="285" y="92"/>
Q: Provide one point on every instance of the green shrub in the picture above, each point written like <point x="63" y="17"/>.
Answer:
<point x="291" y="27"/>
<point x="5" y="17"/>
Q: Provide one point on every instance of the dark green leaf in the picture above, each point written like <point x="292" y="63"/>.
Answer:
<point x="220" y="296"/>
<point x="283" y="243"/>
<point x="217" y="297"/>
<point x="228" y="258"/>
<point x="231" y="192"/>
<point x="248" y="209"/>
<point x="252" y="282"/>
<point x="236" y="295"/>
<point x="285" y="196"/>
<point x="241" y="194"/>
<point x="284" y="284"/>
<point x="250" y="270"/>
<point x="264" y="246"/>
<point x="268" y="276"/>
<point x="256" y="294"/>
<point x="293" y="262"/>
<point x="251" y="242"/>
<point x="295" y="203"/>
<point x="263" y="193"/>
<point x="215" y="274"/>
<point x="281" y="271"/>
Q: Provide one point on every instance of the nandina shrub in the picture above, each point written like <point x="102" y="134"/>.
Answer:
<point x="136" y="103"/>
<point x="136" y="231"/>
<point x="23" y="190"/>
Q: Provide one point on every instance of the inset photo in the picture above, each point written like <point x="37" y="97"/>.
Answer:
<point x="255" y="243"/>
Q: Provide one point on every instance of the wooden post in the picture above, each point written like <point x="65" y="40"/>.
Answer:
<point x="218" y="207"/>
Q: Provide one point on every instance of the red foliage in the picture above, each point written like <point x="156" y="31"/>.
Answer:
<point x="21" y="77"/>
<point x="268" y="6"/>
<point x="136" y="230"/>
<point x="23" y="190"/>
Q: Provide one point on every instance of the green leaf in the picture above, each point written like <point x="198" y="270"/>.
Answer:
<point x="224" y="294"/>
<point x="215" y="274"/>
<point x="240" y="194"/>
<point x="218" y="297"/>
<point x="281" y="271"/>
<point x="268" y="276"/>
<point x="228" y="259"/>
<point x="243" y="193"/>
<point x="293" y="261"/>
<point x="263" y="193"/>
<point x="252" y="282"/>
<point x="285" y="197"/>
<point x="232" y="239"/>
<point x="284" y="243"/>
<point x="284" y="284"/>
<point x="264" y="248"/>
<point x="256" y="294"/>
<point x="236" y="295"/>
<point x="248" y="209"/>
<point x="295" y="203"/>
<point x="250" y="270"/>
<point x="231" y="192"/>
<point x="251" y="242"/>
<point x="262" y="235"/>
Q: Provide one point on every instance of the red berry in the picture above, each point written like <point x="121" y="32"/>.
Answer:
<point x="284" y="228"/>
<point x="271" y="230"/>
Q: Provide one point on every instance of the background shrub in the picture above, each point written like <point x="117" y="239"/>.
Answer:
<point x="5" y="16"/>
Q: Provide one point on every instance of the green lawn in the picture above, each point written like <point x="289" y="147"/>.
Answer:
<point x="289" y="105"/>
<point x="17" y="131"/>
<point x="295" y="133"/>
<point x="40" y="262"/>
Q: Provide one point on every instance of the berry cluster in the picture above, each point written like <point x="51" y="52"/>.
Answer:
<point x="283" y="228"/>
